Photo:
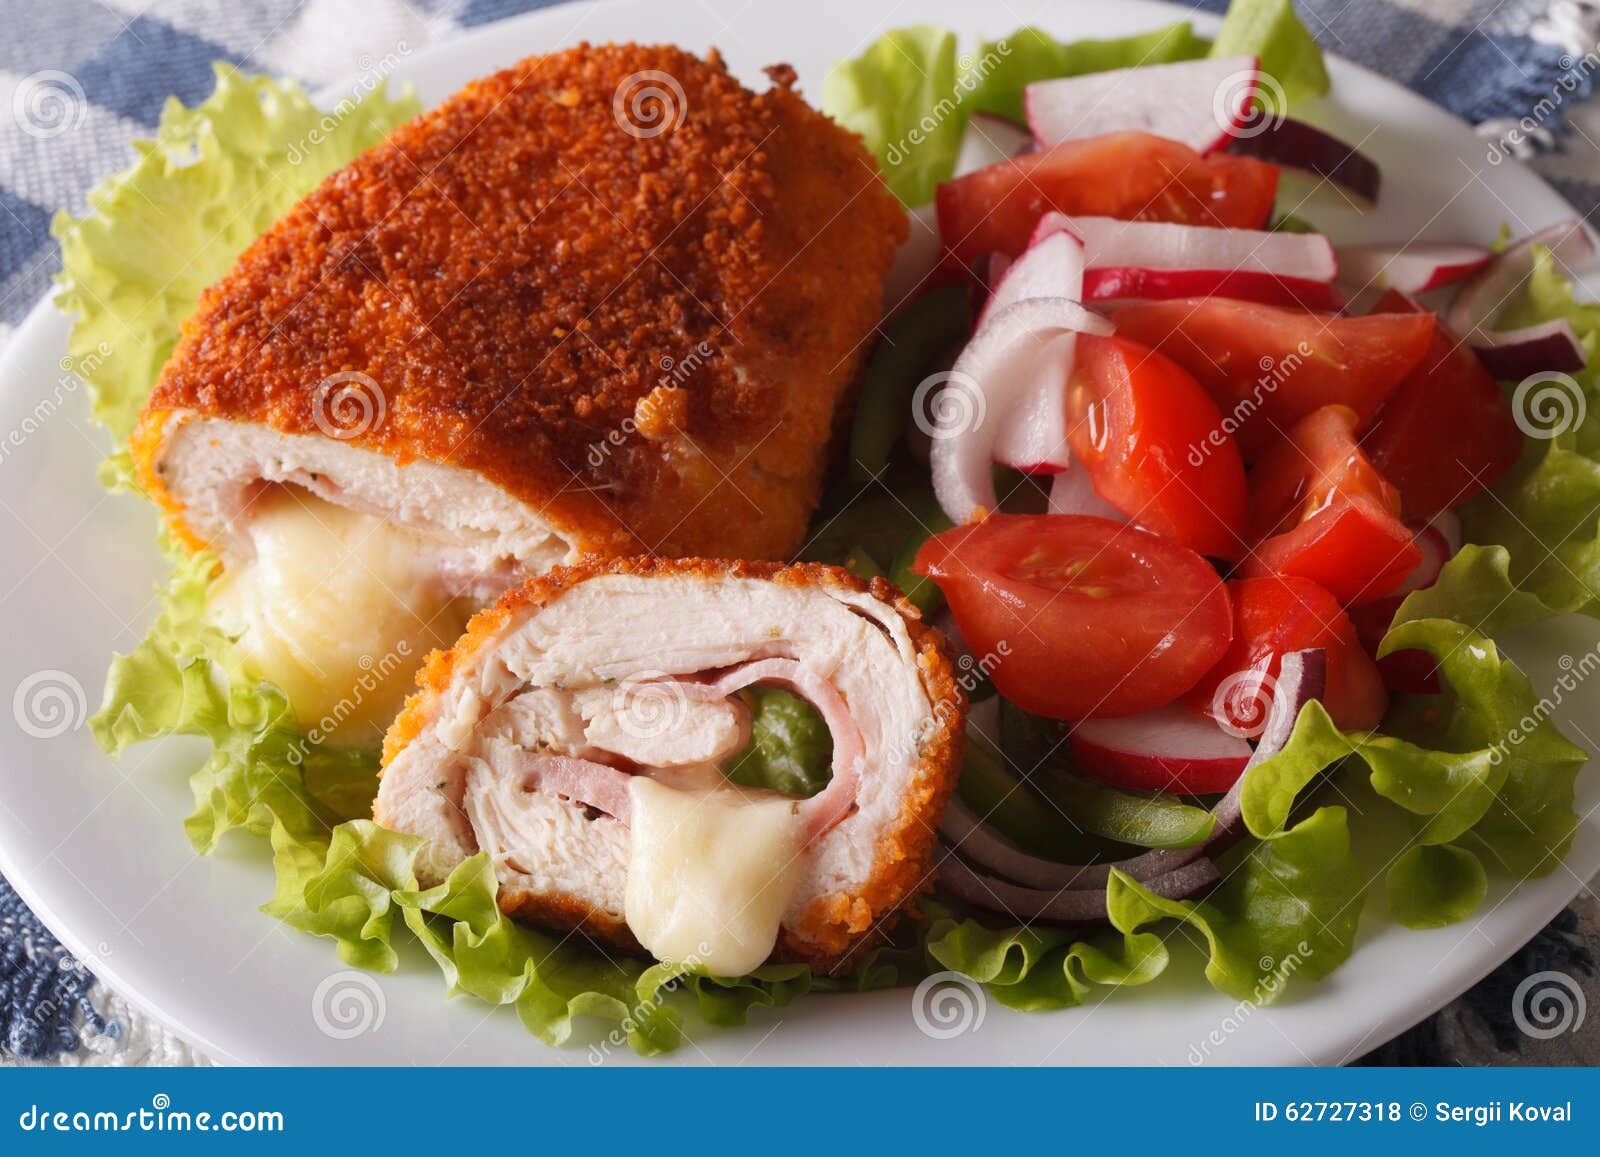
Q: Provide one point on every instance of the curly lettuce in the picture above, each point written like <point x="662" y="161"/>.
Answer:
<point x="157" y="233"/>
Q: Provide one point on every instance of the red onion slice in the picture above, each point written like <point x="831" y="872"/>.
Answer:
<point x="1018" y="349"/>
<point x="1510" y="354"/>
<point x="1063" y="906"/>
<point x="1296" y="145"/>
<point x="1198" y="102"/>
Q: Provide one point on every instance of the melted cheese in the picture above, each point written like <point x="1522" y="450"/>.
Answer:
<point x="710" y="873"/>
<point x="336" y="609"/>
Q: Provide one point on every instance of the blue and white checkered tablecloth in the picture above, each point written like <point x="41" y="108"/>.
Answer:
<point x="1489" y="61"/>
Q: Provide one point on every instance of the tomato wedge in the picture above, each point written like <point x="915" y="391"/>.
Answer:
<point x="1151" y="440"/>
<point x="1079" y="617"/>
<point x="1319" y="510"/>
<point x="1267" y="367"/>
<point x="1434" y="463"/>
<point x="1132" y="176"/>
<point x="1272" y="617"/>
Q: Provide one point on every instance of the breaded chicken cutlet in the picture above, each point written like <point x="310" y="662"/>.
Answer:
<point x="607" y="301"/>
<point x="580" y="731"/>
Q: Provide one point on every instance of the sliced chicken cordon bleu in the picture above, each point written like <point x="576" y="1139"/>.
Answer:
<point x="580" y="733"/>
<point x="606" y="302"/>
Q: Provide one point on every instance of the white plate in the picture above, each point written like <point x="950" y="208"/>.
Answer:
<point x="98" y="851"/>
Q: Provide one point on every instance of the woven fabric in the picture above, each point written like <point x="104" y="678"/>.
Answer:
<point x="83" y="78"/>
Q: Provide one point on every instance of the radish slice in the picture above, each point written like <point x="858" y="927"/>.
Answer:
<point x="1153" y="749"/>
<point x="1123" y="284"/>
<point x="1051" y="266"/>
<point x="1532" y="349"/>
<point x="1198" y="102"/>
<point x="917" y="257"/>
<point x="1108" y="243"/>
<point x="1073" y="492"/>
<point x="1414" y="268"/>
<point x="1296" y="145"/>
<point x="988" y="140"/>
<point x="1017" y="348"/>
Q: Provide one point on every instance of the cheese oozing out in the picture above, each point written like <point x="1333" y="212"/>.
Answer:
<point x="710" y="873"/>
<point x="338" y="609"/>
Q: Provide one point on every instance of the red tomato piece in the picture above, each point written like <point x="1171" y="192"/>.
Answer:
<point x="1151" y="441"/>
<point x="1319" y="510"/>
<point x="1267" y="367"/>
<point x="1080" y="617"/>
<point x="1131" y="176"/>
<point x="1435" y="462"/>
<point x="1273" y="617"/>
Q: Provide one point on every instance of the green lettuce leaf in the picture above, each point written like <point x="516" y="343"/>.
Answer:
<point x="1546" y="512"/>
<point x="996" y="77"/>
<point x="1290" y="58"/>
<point x="1038" y="968"/>
<point x="1287" y="908"/>
<point x="900" y="97"/>
<point x="1432" y="885"/>
<point x="156" y="234"/>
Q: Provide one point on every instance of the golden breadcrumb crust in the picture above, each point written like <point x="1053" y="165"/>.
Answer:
<point x="836" y="926"/>
<point x="612" y="280"/>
